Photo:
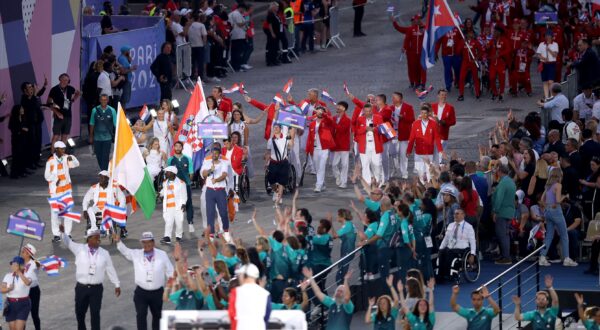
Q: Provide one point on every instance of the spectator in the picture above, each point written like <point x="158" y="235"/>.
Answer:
<point x="106" y="22"/>
<point x="90" y="87"/>
<point x="20" y="136"/>
<point x="503" y="211"/>
<point x="238" y="36"/>
<point x="273" y="29"/>
<point x="587" y="150"/>
<point x="573" y="218"/>
<point x="572" y="153"/>
<point x="521" y="223"/>
<point x="217" y="46"/>
<point x="30" y="101"/>
<point x="127" y="70"/>
<point x="162" y="70"/>
<point x="554" y="143"/>
<point x="547" y="52"/>
<point x="386" y="308"/>
<point x="177" y="28"/>
<point x="469" y="201"/>
<point x="116" y="81"/>
<point x="197" y="35"/>
<point x="61" y="97"/>
<point x="249" y="47"/>
<point x="588" y="65"/>
<point x="570" y="128"/>
<point x="359" y="12"/>
<point x="591" y="189"/>
<point x="553" y="107"/>
<point x="310" y="10"/>
<point x="107" y="53"/>
<point x="583" y="105"/>
<point x="104" y="84"/>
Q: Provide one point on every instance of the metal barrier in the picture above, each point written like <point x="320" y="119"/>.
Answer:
<point x="522" y="276"/>
<point x="572" y="84"/>
<point x="183" y="57"/>
<point x="334" y="28"/>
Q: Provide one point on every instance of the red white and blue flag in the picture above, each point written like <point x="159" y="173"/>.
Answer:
<point x="116" y="214"/>
<point x="304" y="106"/>
<point x="387" y="130"/>
<point x="422" y="94"/>
<point x="326" y="96"/>
<point x="288" y="86"/>
<point x="278" y="99"/>
<point x="62" y="202"/>
<point x="144" y="113"/>
<point x="440" y="20"/>
<point x="233" y="89"/>
<point x="242" y="89"/>
<point x="51" y="264"/>
<point x="68" y="214"/>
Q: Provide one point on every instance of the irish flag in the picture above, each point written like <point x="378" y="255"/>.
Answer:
<point x="129" y="168"/>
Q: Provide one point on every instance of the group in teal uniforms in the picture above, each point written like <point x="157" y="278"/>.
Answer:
<point x="340" y="306"/>
<point x="478" y="317"/>
<point x="383" y="311"/>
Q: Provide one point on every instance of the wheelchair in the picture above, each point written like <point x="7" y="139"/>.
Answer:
<point x="459" y="266"/>
<point x="290" y="187"/>
<point x="242" y="185"/>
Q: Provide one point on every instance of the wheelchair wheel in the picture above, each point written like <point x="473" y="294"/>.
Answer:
<point x="291" y="186"/>
<point x="471" y="272"/>
<point x="267" y="185"/>
<point x="244" y="187"/>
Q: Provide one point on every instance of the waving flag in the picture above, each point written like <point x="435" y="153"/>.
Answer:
<point x="288" y="86"/>
<point x="233" y="89"/>
<point x="144" y="113"/>
<point x="278" y="99"/>
<point x="304" y="106"/>
<point x="346" y="90"/>
<point x="62" y="202"/>
<point x="106" y="224"/>
<point x="55" y="204"/>
<point x="325" y="95"/>
<point x="51" y="264"/>
<point x="68" y="214"/>
<point x="116" y="214"/>
<point x="440" y="20"/>
<point x="387" y="130"/>
<point x="422" y="94"/>
<point x="242" y="89"/>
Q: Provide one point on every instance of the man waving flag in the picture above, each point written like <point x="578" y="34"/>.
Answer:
<point x="439" y="21"/>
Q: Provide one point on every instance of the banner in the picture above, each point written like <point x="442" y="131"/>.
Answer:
<point x="145" y="43"/>
<point x="542" y="18"/>
<point x="290" y="119"/>
<point x="212" y="130"/>
<point x="25" y="228"/>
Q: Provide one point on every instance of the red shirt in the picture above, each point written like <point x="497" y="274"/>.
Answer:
<point x="499" y="51"/>
<point x="361" y="133"/>
<point x="469" y="203"/>
<point x="342" y="133"/>
<point x="225" y="105"/>
<point x="451" y="43"/>
<point x="270" y="109"/>
<point x="522" y="59"/>
<point x="476" y="50"/>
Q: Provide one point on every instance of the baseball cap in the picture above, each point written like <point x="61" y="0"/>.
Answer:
<point x="59" y="144"/>
<point x="171" y="169"/>
<point x="30" y="249"/>
<point x="18" y="260"/>
<point x="147" y="236"/>
<point x="520" y="195"/>
<point x="92" y="232"/>
<point x="125" y="48"/>
<point x="251" y="270"/>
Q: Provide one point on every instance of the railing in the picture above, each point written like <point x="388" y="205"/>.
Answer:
<point x="523" y="278"/>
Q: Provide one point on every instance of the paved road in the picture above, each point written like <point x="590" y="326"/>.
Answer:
<point x="368" y="65"/>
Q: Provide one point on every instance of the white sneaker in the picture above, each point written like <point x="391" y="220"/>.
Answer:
<point x="338" y="181"/>
<point x="191" y="228"/>
<point x="569" y="263"/>
<point x="343" y="186"/>
<point x="246" y="66"/>
<point x="227" y="237"/>
<point x="543" y="261"/>
<point x="317" y="190"/>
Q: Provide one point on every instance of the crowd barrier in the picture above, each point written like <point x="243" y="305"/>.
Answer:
<point x="183" y="57"/>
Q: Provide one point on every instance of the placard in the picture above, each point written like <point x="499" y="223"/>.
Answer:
<point x="542" y="18"/>
<point x="291" y="119"/>
<point x="25" y="228"/>
<point x="212" y="130"/>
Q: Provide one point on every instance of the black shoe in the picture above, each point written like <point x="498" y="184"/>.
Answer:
<point x="165" y="240"/>
<point x="493" y="97"/>
<point x="178" y="239"/>
<point x="500" y="98"/>
<point x="124" y="233"/>
<point x="460" y="98"/>
<point x="56" y="239"/>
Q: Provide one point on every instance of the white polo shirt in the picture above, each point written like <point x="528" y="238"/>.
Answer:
<point x="104" y="83"/>
<point x="221" y="167"/>
<point x="152" y="271"/>
<point x="20" y="289"/>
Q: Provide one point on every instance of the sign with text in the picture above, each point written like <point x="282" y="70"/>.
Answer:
<point x="542" y="18"/>
<point x="291" y="119"/>
<point x="212" y="130"/>
<point x="25" y="228"/>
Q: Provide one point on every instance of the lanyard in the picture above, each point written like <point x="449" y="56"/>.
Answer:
<point x="93" y="256"/>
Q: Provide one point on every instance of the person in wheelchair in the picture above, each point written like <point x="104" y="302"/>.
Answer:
<point x="97" y="197"/>
<point x="459" y="238"/>
<point x="277" y="160"/>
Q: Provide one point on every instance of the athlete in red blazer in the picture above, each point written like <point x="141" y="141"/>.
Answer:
<point x="270" y="109"/>
<point x="448" y="116"/>
<point x="361" y="133"/>
<point x="326" y="129"/>
<point x="236" y="156"/>
<point x="342" y="131"/>
<point x="424" y="141"/>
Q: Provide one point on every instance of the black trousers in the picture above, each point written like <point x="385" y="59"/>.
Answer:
<point x="165" y="90"/>
<point x="144" y="299"/>
<point x="359" y="12"/>
<point x="34" y="295"/>
<point x="20" y="157"/>
<point x="238" y="47"/>
<point x="88" y="296"/>
<point x="272" y="49"/>
<point x="36" y="144"/>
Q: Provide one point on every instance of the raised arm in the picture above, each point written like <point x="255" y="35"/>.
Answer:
<point x="390" y="283"/>
<point x="431" y="286"/>
<point x="403" y="305"/>
<point x="453" y="304"/>
<point x="259" y="229"/>
<point x="548" y="280"/>
<point x="211" y="246"/>
<point x="347" y="293"/>
<point x="358" y="194"/>
<point x="317" y="291"/>
<point x="517" y="301"/>
<point x="486" y="295"/>
<point x="304" y="287"/>
<point x="372" y="302"/>
<point x="580" y="307"/>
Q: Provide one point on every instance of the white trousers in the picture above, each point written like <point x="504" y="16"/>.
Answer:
<point x="339" y="166"/>
<point x="371" y="166"/>
<point x="401" y="161"/>
<point x="422" y="167"/>
<point x="173" y="216"/>
<point x="295" y="157"/>
<point x="203" y="210"/>
<point x="437" y="158"/>
<point x="320" y="158"/>
<point x="55" y="222"/>
<point x="385" y="160"/>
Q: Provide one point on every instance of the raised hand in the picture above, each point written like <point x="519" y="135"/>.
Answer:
<point x="400" y="286"/>
<point x="372" y="301"/>
<point x="348" y="275"/>
<point x="485" y="292"/>
<point x="307" y="272"/>
<point x="455" y="289"/>
<point x="516" y="300"/>
<point x="548" y="279"/>
<point x="431" y="283"/>
<point x="390" y="280"/>
<point x="579" y="298"/>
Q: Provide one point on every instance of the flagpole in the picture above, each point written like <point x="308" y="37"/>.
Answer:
<point x="112" y="164"/>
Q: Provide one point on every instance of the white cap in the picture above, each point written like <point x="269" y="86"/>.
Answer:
<point x="250" y="270"/>
<point x="59" y="144"/>
<point x="147" y="236"/>
<point x="92" y="232"/>
<point x="30" y="249"/>
<point x="104" y="173"/>
<point x="171" y="169"/>
<point x="520" y="195"/>
<point x="185" y="11"/>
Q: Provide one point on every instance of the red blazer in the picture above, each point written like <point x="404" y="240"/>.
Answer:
<point x="225" y="105"/>
<point x="236" y="158"/>
<point x="423" y="142"/>
<point x="270" y="109"/>
<point x="342" y="133"/>
<point x="407" y="114"/>
<point x="449" y="118"/>
<point x="386" y="116"/>
<point x="361" y="134"/>
<point x="326" y="129"/>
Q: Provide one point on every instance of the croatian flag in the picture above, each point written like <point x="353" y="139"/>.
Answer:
<point x="387" y="130"/>
<point x="242" y="89"/>
<point x="144" y="113"/>
<point x="325" y="95"/>
<point x="422" y="94"/>
<point x="116" y="214"/>
<point x="346" y="90"/>
<point x="304" y="106"/>
<point x="288" y="86"/>
<point x="51" y="264"/>
<point x="73" y="216"/>
<point x="440" y="20"/>
<point x="278" y="99"/>
<point x="233" y="89"/>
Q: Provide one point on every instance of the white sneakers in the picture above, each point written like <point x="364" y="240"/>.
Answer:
<point x="568" y="262"/>
<point x="227" y="237"/>
<point x="246" y="66"/>
<point x="191" y="227"/>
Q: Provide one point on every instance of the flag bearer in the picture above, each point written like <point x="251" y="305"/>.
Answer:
<point x="98" y="196"/>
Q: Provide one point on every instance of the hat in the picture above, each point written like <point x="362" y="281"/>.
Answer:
<point x="250" y="270"/>
<point x="92" y="232"/>
<point x="171" y="169"/>
<point x="450" y="191"/>
<point x="59" y="144"/>
<point x="104" y="173"/>
<point x="30" y="249"/>
<point x="18" y="260"/>
<point x="125" y="48"/>
<point x="185" y="11"/>
<point x="520" y="195"/>
<point x="147" y="236"/>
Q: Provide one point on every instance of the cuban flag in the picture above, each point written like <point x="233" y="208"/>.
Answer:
<point x="304" y="106"/>
<point x="233" y="89"/>
<point x="52" y="264"/>
<point x="387" y="130"/>
<point x="144" y="113"/>
<point x="325" y="95"/>
<point x="116" y="214"/>
<point x="440" y="20"/>
<point x="73" y="216"/>
<point x="278" y="99"/>
<point x="288" y="86"/>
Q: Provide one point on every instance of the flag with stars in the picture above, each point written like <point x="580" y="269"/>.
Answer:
<point x="440" y="20"/>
